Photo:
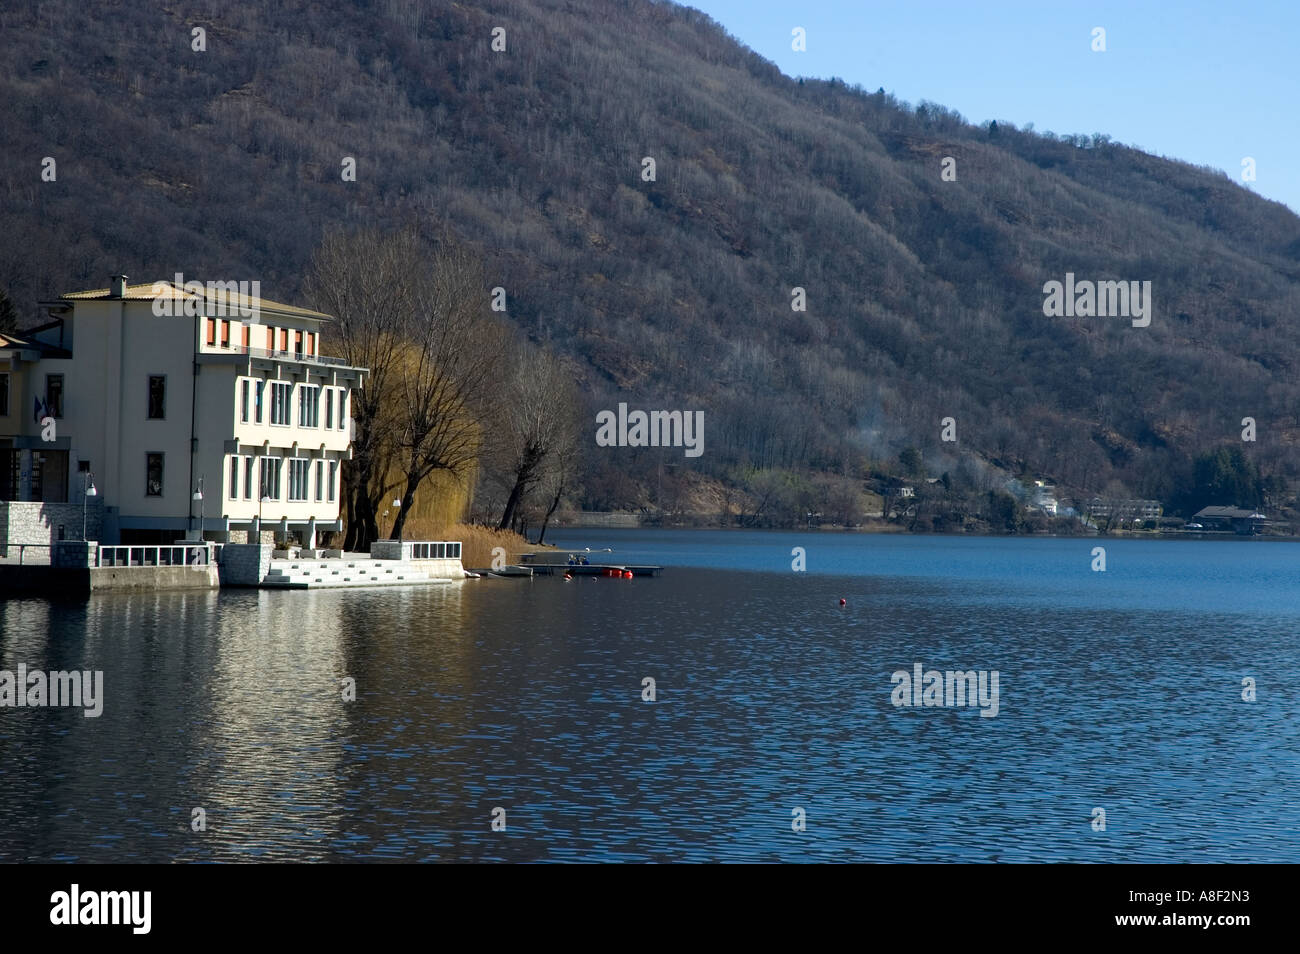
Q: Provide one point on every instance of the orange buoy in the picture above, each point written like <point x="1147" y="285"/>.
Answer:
<point x="843" y="601"/>
<point x="627" y="574"/>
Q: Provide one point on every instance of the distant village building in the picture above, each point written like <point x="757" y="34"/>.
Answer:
<point x="153" y="410"/>
<point x="1234" y="519"/>
<point x="1044" y="498"/>
<point x="1104" y="508"/>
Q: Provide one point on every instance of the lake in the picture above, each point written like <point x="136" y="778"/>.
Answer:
<point x="520" y="702"/>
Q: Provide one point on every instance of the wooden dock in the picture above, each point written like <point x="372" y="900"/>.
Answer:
<point x="594" y="569"/>
<point x="558" y="562"/>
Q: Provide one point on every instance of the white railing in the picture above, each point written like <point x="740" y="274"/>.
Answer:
<point x="286" y="355"/>
<point x="176" y="554"/>
<point x="435" y="551"/>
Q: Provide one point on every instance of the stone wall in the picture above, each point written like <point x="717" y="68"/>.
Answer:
<point x="74" y="555"/>
<point x="245" y="564"/>
<point x="37" y="523"/>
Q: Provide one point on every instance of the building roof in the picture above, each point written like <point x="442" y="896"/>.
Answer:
<point x="1231" y="513"/>
<point x="148" y="291"/>
<point x="13" y="342"/>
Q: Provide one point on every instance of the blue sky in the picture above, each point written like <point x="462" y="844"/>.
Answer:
<point x="1205" y="82"/>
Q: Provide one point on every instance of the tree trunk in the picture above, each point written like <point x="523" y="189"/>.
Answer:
<point x="367" y="527"/>
<point x="541" y="535"/>
<point x="408" y="501"/>
<point x="512" y="503"/>
<point x="350" y="537"/>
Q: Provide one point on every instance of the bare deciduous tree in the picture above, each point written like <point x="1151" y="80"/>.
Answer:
<point x="447" y="384"/>
<point x="539" y="427"/>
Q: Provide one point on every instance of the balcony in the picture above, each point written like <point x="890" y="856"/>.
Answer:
<point x="282" y="356"/>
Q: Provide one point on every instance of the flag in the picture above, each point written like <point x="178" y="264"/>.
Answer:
<point x="40" y="410"/>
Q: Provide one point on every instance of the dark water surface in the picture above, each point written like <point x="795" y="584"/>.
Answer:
<point x="1119" y="690"/>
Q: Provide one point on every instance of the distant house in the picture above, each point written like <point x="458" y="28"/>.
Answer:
<point x="1044" y="498"/>
<point x="1235" y="519"/>
<point x="1124" y="510"/>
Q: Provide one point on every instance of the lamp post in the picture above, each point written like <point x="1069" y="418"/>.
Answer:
<point x="198" y="495"/>
<point x="90" y="491"/>
<point x="397" y="505"/>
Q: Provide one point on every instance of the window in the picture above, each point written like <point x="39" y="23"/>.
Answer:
<point x="329" y="408"/>
<point x="311" y="342"/>
<point x="243" y="401"/>
<point x="157" y="396"/>
<point x="297" y="342"/>
<point x="343" y="403"/>
<point x="212" y="330"/>
<point x="299" y="470"/>
<point x="54" y="395"/>
<point x="320" y="480"/>
<point x="153" y="475"/>
<point x="308" y="406"/>
<point x="4" y="395"/>
<point x="248" y="336"/>
<point x="334" y="471"/>
<point x="225" y="332"/>
<point x="280" y="403"/>
<point x="284" y="339"/>
<point x="270" y="484"/>
<point x="257" y="402"/>
<point x="234" y="478"/>
<point x="248" y="478"/>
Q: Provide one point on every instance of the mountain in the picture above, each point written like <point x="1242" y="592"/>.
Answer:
<point x="924" y="296"/>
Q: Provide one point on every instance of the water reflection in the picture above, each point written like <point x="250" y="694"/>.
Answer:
<point x="770" y="697"/>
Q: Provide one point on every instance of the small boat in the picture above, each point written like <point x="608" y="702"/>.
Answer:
<point x="512" y="570"/>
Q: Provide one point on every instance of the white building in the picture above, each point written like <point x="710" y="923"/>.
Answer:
<point x="1044" y="498"/>
<point x="225" y="394"/>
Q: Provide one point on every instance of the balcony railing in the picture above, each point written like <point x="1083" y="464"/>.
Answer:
<point x="284" y="356"/>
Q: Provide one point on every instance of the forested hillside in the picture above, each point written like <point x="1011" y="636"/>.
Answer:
<point x="924" y="297"/>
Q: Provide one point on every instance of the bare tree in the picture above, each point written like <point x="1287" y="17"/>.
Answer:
<point x="539" y="429"/>
<point x="446" y="385"/>
<point x="363" y="279"/>
<point x="561" y="478"/>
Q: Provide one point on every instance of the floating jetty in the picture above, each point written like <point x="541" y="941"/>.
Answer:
<point x="578" y="563"/>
